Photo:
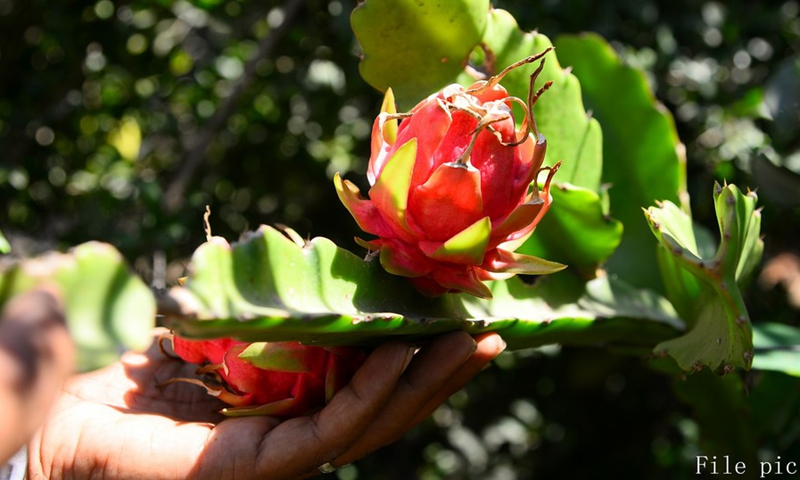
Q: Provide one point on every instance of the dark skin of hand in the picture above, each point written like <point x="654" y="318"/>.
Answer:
<point x="36" y="357"/>
<point x="117" y="423"/>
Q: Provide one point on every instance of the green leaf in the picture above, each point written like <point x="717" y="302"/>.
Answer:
<point x="575" y="231"/>
<point x="721" y="334"/>
<point x="267" y="288"/>
<point x="416" y="47"/>
<point x="108" y="309"/>
<point x="642" y="155"/>
<point x="777" y="347"/>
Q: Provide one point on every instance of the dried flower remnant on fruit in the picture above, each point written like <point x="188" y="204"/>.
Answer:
<point x="454" y="187"/>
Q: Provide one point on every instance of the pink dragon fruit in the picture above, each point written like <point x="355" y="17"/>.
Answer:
<point x="454" y="188"/>
<point x="278" y="378"/>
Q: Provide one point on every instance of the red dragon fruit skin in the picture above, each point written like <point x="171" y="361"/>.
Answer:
<point x="203" y="351"/>
<point x="280" y="379"/>
<point x="453" y="188"/>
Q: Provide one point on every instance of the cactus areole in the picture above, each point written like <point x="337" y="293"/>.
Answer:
<point x="283" y="379"/>
<point x="454" y="187"/>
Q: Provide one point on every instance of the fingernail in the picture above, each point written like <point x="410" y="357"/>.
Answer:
<point x="500" y="343"/>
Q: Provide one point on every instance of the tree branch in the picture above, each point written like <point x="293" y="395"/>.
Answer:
<point x="194" y="156"/>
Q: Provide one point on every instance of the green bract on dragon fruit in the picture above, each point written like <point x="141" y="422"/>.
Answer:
<point x="454" y="188"/>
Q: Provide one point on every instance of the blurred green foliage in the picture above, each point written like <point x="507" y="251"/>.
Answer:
<point x="102" y="103"/>
<point x="106" y="107"/>
<point x="108" y="309"/>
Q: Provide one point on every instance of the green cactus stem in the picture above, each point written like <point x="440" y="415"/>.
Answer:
<point x="706" y="290"/>
<point x="268" y="288"/>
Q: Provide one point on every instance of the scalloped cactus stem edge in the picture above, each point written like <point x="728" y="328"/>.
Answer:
<point x="722" y="335"/>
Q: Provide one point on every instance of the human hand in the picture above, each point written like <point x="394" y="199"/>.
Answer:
<point x="116" y="422"/>
<point x="36" y="357"/>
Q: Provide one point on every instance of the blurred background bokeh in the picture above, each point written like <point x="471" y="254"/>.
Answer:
<point x="121" y="120"/>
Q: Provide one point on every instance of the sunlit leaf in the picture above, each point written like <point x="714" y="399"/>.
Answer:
<point x="127" y="138"/>
<point x="267" y="288"/>
<point x="777" y="347"/>
<point x="641" y="151"/>
<point x="416" y="47"/>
